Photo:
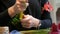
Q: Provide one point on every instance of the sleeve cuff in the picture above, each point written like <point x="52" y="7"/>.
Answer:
<point x="45" y="23"/>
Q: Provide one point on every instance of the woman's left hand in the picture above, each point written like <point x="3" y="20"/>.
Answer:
<point x="29" y="21"/>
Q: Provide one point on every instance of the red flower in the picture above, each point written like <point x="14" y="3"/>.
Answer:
<point x="59" y="26"/>
<point x="53" y="33"/>
<point x="54" y="28"/>
<point x="48" y="7"/>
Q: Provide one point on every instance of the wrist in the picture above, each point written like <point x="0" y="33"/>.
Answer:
<point x="37" y="23"/>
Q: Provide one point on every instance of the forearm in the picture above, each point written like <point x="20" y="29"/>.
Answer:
<point x="4" y="17"/>
<point x="45" y="23"/>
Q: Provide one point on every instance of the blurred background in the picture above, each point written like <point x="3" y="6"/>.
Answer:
<point x="55" y="14"/>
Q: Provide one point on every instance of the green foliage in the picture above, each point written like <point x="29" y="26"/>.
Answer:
<point x="41" y="31"/>
<point x="15" y="20"/>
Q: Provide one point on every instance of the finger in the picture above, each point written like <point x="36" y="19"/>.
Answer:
<point x="26" y="19"/>
<point x="24" y="16"/>
<point x="23" y="0"/>
<point x="27" y="22"/>
<point x="23" y="24"/>
<point x="28" y="25"/>
<point x="21" y="6"/>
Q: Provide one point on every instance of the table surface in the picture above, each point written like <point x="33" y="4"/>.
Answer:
<point x="42" y="31"/>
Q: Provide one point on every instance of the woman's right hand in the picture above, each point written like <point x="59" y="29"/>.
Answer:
<point x="19" y="6"/>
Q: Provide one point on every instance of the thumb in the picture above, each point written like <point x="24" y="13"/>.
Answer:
<point x="24" y="16"/>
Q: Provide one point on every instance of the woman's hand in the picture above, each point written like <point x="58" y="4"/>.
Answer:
<point x="29" y="21"/>
<point x="19" y="6"/>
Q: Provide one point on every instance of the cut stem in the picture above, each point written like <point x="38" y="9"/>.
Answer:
<point x="21" y="15"/>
